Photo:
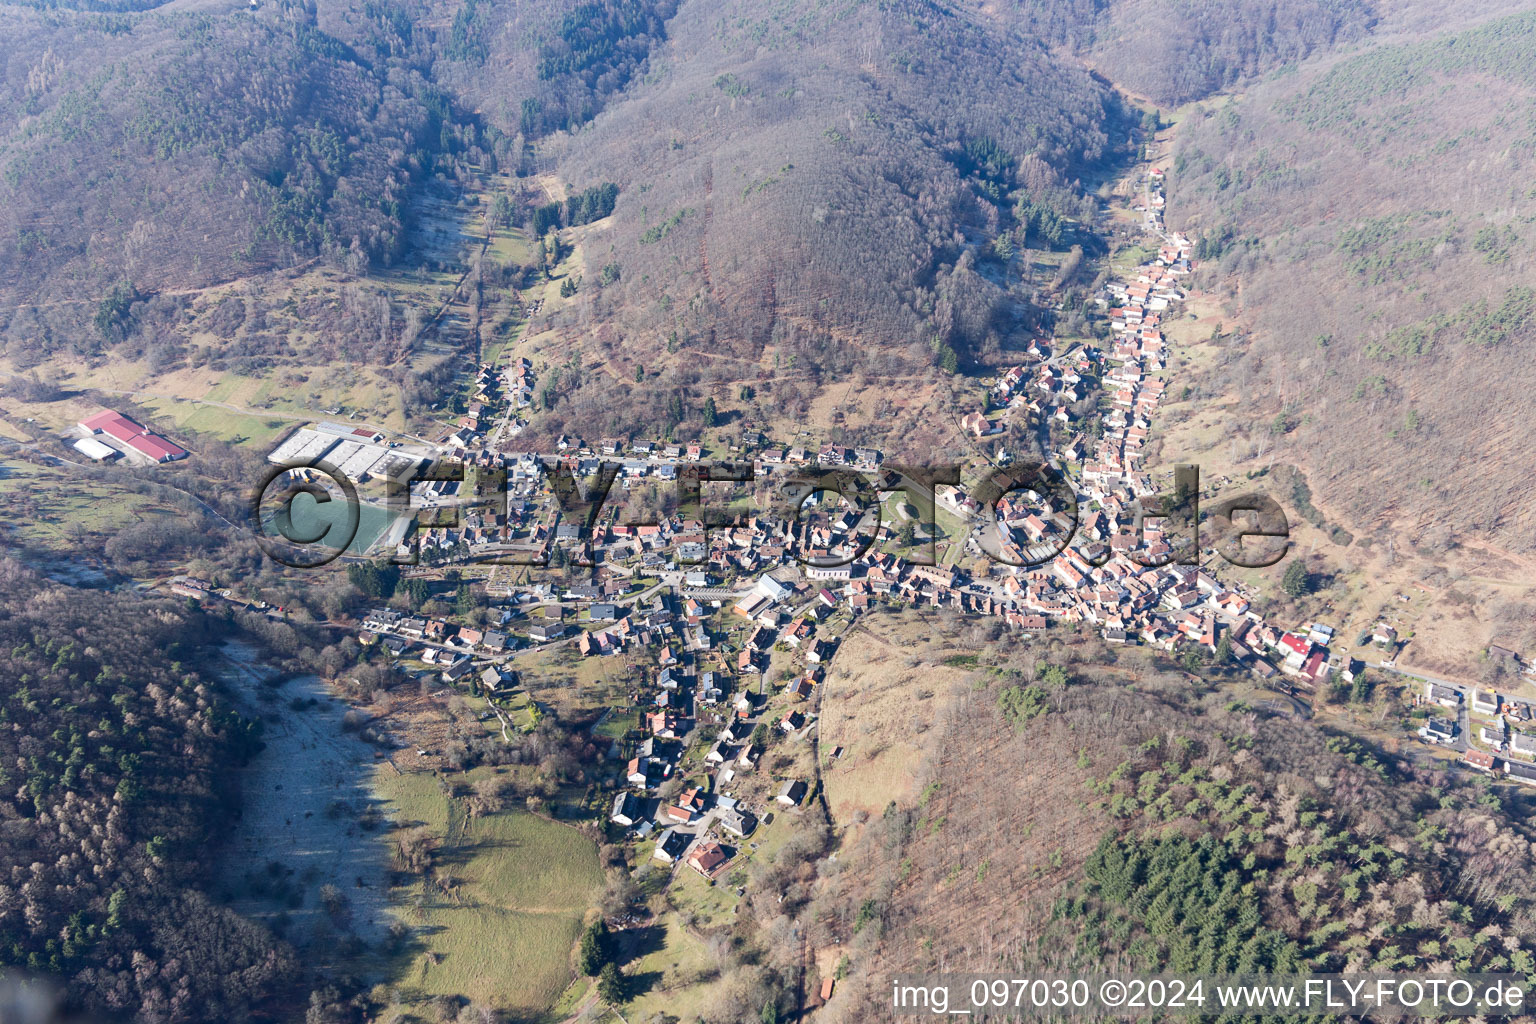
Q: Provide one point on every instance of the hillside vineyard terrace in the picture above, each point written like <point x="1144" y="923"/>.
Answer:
<point x="1227" y="526"/>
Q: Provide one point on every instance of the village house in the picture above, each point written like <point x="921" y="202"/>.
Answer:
<point x="637" y="771"/>
<point x="543" y="632"/>
<point x="707" y="858"/>
<point x="1438" y="730"/>
<point x="626" y="809"/>
<point x="1480" y="760"/>
<point x="791" y="793"/>
<point x="820" y="651"/>
<point x="680" y="815"/>
<point x="976" y="424"/>
<point x="1445" y="696"/>
<point x="671" y="845"/>
<point x="1522" y="744"/>
<point x="1520" y="772"/>
<point x="738" y="822"/>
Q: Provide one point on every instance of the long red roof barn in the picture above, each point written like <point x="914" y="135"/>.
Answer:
<point x="140" y="439"/>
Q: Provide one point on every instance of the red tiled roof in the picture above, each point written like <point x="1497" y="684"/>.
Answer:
<point x="116" y="425"/>
<point x="1295" y="643"/>
<point x="157" y="448"/>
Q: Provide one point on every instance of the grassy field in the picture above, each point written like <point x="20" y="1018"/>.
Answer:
<point x="225" y="424"/>
<point x="48" y="509"/>
<point x="887" y="686"/>
<point x="576" y="685"/>
<point x="511" y="245"/>
<point x="674" y="973"/>
<point x="223" y="404"/>
<point x="1128" y="259"/>
<point x="501" y="934"/>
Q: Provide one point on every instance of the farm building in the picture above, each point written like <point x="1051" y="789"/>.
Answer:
<point x="132" y="435"/>
<point x="94" y="449"/>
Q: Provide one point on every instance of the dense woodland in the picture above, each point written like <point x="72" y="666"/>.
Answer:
<point x="890" y="165"/>
<point x="890" y="208"/>
<point x="1172" y="52"/>
<point x="112" y="745"/>
<point x="165" y="152"/>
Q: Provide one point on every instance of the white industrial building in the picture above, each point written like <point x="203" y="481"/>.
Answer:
<point x="358" y="464"/>
<point x="94" y="449"/>
<point x="356" y="454"/>
<point x="394" y="464"/>
<point x="350" y="432"/>
<point x="304" y="448"/>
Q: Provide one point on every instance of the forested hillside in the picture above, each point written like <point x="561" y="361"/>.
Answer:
<point x="662" y="219"/>
<point x="1173" y="52"/>
<point x="1372" y="216"/>
<point x="534" y="68"/>
<point x="1142" y="827"/>
<point x="111" y="753"/>
<point x="818" y="186"/>
<point x="822" y="187"/>
<point x="808" y="189"/>
<point x="165" y="151"/>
